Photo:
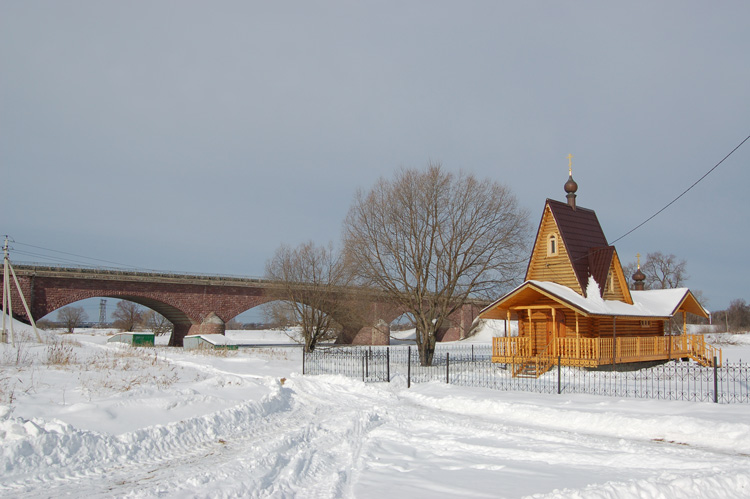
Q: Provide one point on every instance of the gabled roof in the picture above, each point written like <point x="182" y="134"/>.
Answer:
<point x="599" y="261"/>
<point x="581" y="232"/>
<point x="657" y="303"/>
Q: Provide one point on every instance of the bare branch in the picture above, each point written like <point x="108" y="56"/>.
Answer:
<point x="430" y="240"/>
<point x="310" y="279"/>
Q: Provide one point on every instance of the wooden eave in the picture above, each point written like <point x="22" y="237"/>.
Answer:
<point x="621" y="278"/>
<point x="536" y="240"/>
<point x="520" y="298"/>
<point x="690" y="305"/>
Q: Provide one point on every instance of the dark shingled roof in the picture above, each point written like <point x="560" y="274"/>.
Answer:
<point x="584" y="239"/>
<point x="599" y="261"/>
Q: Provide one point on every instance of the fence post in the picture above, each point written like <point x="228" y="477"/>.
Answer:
<point x="368" y="354"/>
<point x="408" y="366"/>
<point x="472" y="352"/>
<point x="559" y="386"/>
<point x="614" y="343"/>
<point x="716" y="382"/>
<point x="447" y="367"/>
<point x="364" y="360"/>
<point x="303" y="361"/>
<point x="388" y="363"/>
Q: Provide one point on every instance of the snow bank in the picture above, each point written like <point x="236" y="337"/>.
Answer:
<point x="245" y="425"/>
<point x="41" y="447"/>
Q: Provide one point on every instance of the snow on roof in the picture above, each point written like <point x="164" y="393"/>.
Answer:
<point x="214" y="339"/>
<point x="651" y="303"/>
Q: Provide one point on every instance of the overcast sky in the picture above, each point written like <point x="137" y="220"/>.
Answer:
<point x="199" y="136"/>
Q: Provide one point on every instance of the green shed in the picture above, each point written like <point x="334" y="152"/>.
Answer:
<point x="133" y="339"/>
<point x="210" y="341"/>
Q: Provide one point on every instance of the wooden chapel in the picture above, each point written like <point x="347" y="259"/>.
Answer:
<point x="575" y="306"/>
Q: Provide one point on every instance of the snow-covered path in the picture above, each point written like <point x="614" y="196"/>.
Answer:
<point x="117" y="422"/>
<point x="334" y="437"/>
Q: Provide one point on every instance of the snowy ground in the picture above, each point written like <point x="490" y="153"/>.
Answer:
<point x="83" y="418"/>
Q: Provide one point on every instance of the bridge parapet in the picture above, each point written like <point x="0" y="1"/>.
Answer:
<point x="104" y="273"/>
<point x="196" y="303"/>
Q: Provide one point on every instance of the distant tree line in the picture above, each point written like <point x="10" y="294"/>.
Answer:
<point x="736" y="318"/>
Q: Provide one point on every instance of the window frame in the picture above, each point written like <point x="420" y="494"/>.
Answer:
<point x="552" y="245"/>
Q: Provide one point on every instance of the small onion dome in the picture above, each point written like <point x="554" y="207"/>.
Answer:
<point x="639" y="276"/>
<point x="570" y="186"/>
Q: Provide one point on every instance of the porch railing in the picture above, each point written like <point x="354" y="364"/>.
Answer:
<point x="594" y="352"/>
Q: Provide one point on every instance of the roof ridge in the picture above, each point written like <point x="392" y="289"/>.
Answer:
<point x="563" y="204"/>
<point x="580" y="230"/>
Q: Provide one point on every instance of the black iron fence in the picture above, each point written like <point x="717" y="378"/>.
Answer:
<point x="471" y="365"/>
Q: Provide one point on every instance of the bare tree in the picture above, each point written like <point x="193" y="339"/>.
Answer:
<point x="430" y="240"/>
<point x="661" y="271"/>
<point x="736" y="317"/>
<point x="234" y="325"/>
<point x="127" y="315"/>
<point x="279" y="314"/>
<point x="309" y="280"/>
<point x="629" y="269"/>
<point x="156" y="323"/>
<point x="72" y="317"/>
<point x="664" y="271"/>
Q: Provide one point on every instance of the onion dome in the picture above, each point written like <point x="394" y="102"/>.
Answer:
<point x="571" y="186"/>
<point x="639" y="277"/>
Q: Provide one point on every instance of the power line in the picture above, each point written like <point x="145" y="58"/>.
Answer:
<point x="48" y="258"/>
<point x="683" y="193"/>
<point x="73" y="254"/>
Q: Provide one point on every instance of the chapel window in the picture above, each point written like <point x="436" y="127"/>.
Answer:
<point x="552" y="245"/>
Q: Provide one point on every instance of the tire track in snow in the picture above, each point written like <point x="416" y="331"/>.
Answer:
<point x="303" y="447"/>
<point x="333" y="437"/>
<point x="150" y="448"/>
<point x="448" y="431"/>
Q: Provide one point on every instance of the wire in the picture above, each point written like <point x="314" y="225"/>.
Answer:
<point x="585" y="256"/>
<point x="48" y="258"/>
<point x="683" y="193"/>
<point x="79" y="256"/>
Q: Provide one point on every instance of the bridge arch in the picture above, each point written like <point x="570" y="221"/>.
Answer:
<point x="199" y="303"/>
<point x="172" y="313"/>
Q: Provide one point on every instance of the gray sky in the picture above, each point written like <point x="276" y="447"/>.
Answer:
<point x="199" y="136"/>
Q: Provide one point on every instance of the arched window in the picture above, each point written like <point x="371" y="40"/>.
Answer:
<point x="552" y="245"/>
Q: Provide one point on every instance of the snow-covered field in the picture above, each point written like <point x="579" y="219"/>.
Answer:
<point x="83" y="418"/>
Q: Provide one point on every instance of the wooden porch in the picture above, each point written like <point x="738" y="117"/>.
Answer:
<point x="596" y="352"/>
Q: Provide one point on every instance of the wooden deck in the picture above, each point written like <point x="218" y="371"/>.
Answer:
<point x="596" y="352"/>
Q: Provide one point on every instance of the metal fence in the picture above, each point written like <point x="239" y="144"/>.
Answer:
<point x="471" y="365"/>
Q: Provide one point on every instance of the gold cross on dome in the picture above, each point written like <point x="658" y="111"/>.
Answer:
<point x="570" y="165"/>
<point x="638" y="256"/>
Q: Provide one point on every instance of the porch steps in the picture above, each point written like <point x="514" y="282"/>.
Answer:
<point x="530" y="370"/>
<point x="700" y="359"/>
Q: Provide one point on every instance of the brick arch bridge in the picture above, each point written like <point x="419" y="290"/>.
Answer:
<point x="198" y="304"/>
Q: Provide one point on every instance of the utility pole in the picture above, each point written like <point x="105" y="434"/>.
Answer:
<point x="3" y="333"/>
<point x="7" y="302"/>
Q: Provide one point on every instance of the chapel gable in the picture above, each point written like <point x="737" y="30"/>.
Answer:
<point x="570" y="247"/>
